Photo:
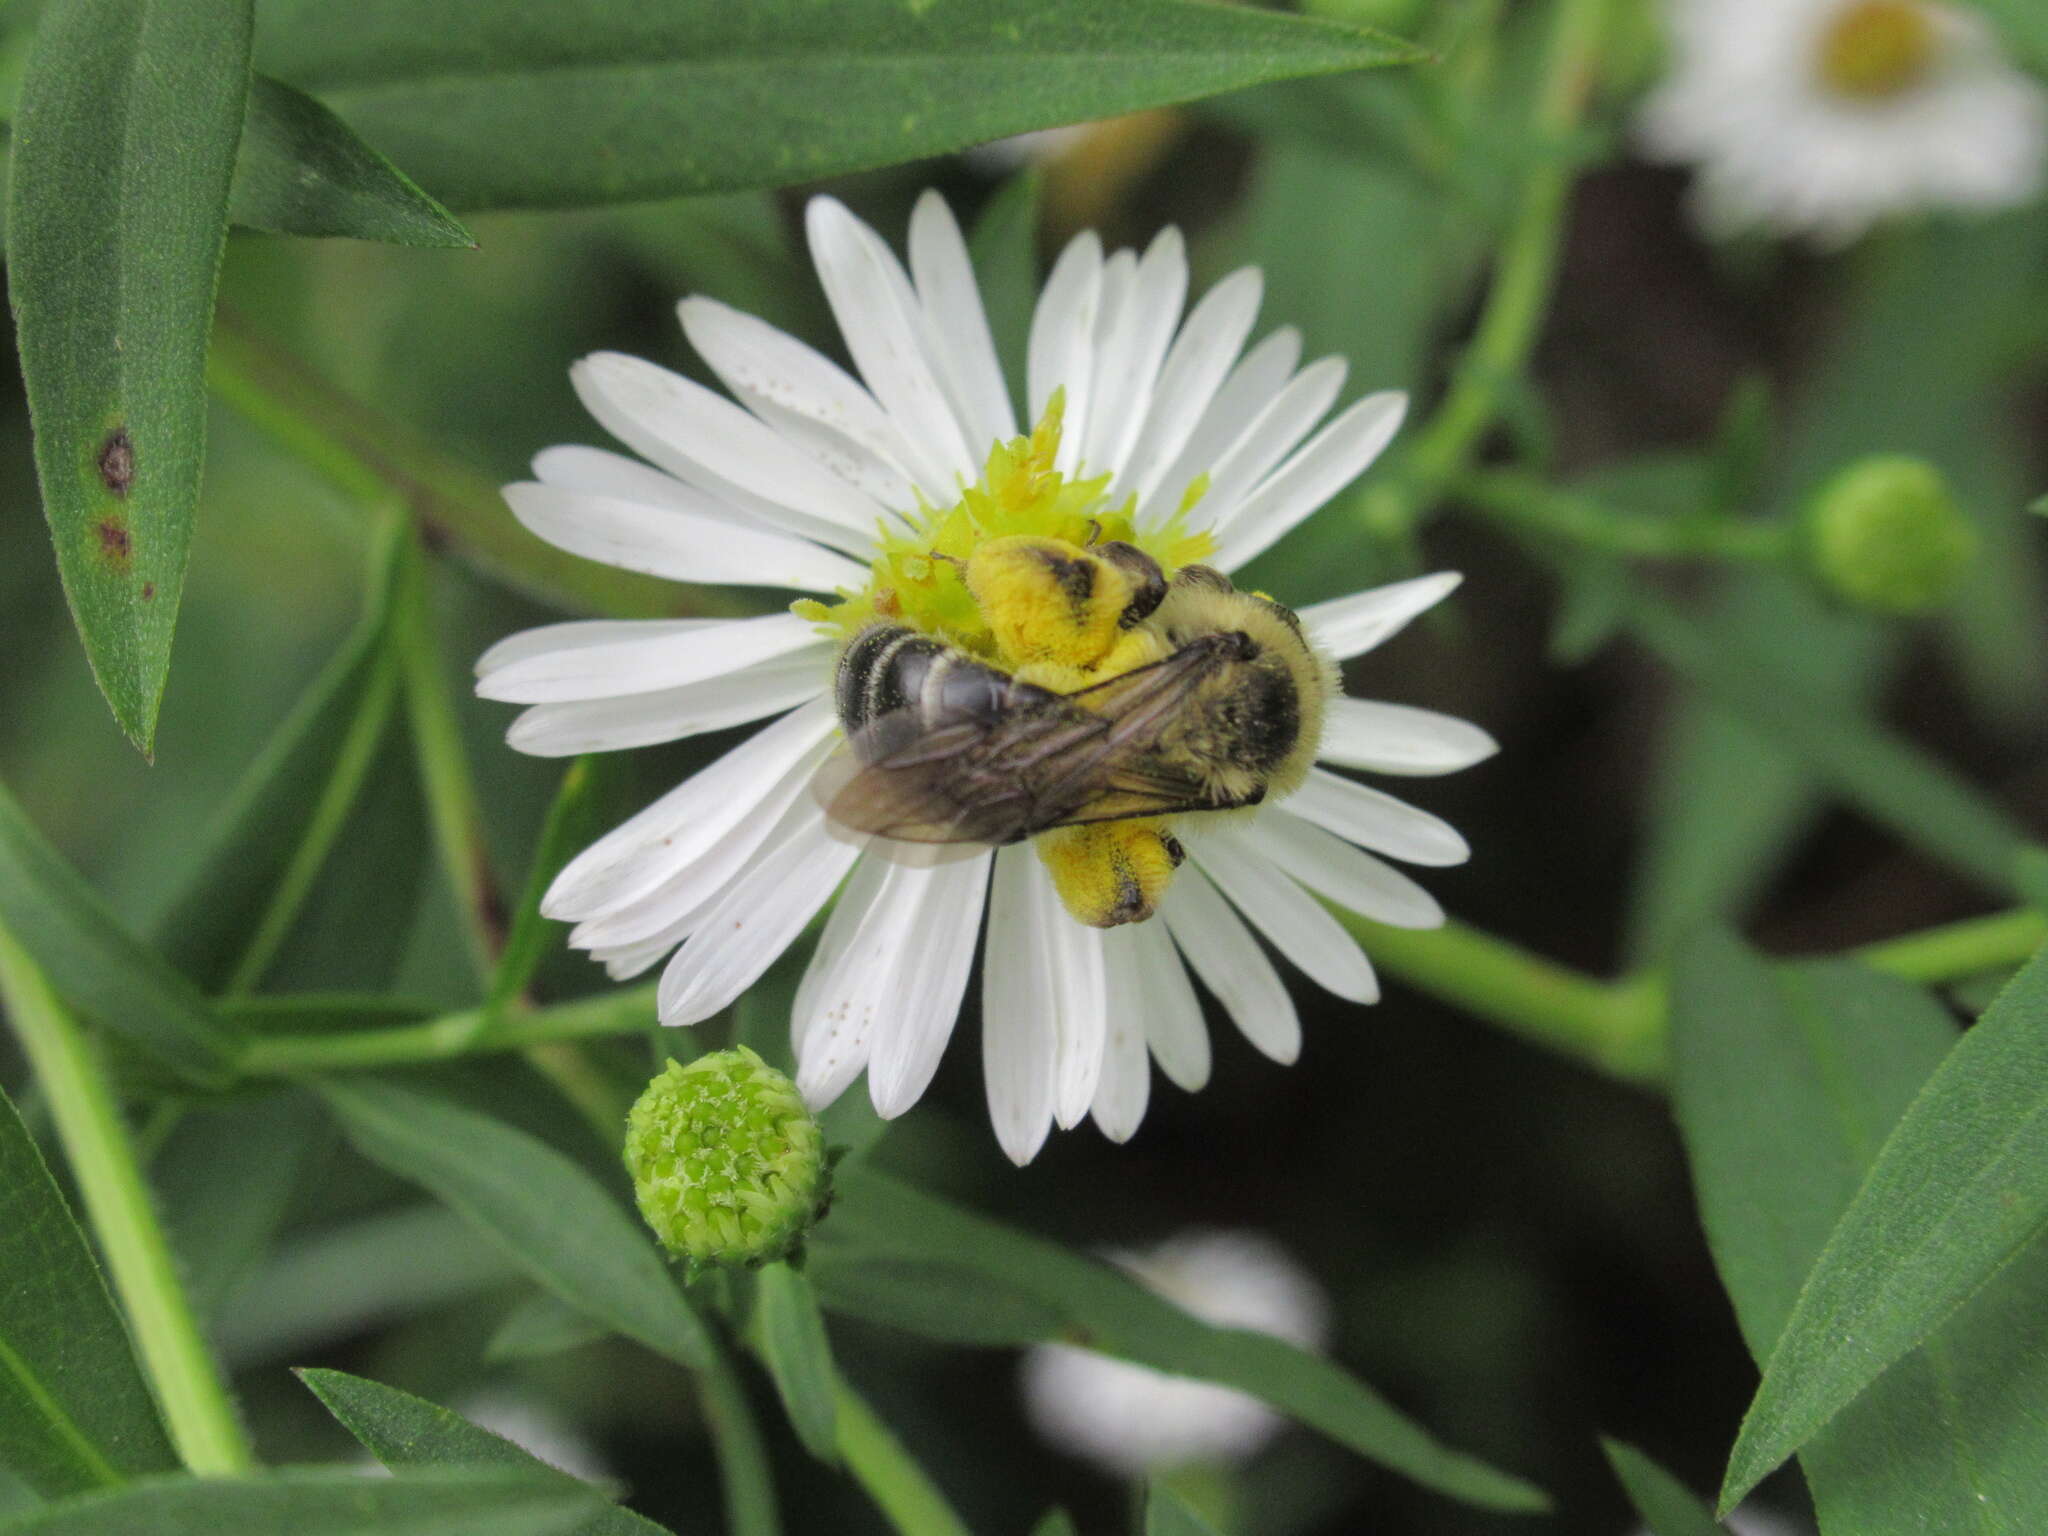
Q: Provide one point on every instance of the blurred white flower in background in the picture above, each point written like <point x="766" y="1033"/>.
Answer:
<point x="539" y="1429"/>
<point x="1131" y="1420"/>
<point x="1822" y="117"/>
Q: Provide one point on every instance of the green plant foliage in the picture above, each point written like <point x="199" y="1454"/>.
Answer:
<point x="881" y="1218"/>
<point x="114" y="241"/>
<point x="1788" y="1080"/>
<point x="1956" y="1193"/>
<point x="504" y="105"/>
<point x="404" y="1431"/>
<point x="798" y="1356"/>
<point x="338" y="1502"/>
<point x="74" y="1411"/>
<point x="1667" y="1506"/>
<point x="1168" y="1514"/>
<point x="96" y="966"/>
<point x="551" y="1217"/>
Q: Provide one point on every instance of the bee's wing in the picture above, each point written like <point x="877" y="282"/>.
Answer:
<point x="992" y="779"/>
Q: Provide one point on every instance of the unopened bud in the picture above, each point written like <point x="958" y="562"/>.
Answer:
<point x="1885" y="535"/>
<point x="728" y="1162"/>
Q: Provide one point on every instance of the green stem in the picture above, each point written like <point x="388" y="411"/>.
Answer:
<point x="1524" y="502"/>
<point x="1616" y="1026"/>
<point x="188" y="1385"/>
<point x="453" y="805"/>
<point x="1957" y="950"/>
<point x="736" y="1438"/>
<point x="891" y="1476"/>
<point x="1523" y="279"/>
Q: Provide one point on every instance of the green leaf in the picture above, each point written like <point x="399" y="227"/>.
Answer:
<point x="1168" y="1514"/>
<point x="1807" y="1067"/>
<point x="1958" y="1189"/>
<point x="303" y="171"/>
<point x="1667" y="1506"/>
<point x="932" y="1298"/>
<point x="404" y="1431"/>
<point x="1113" y="1313"/>
<point x="552" y="1218"/>
<point x="1004" y="249"/>
<point x="798" y="1356"/>
<point x="2024" y="27"/>
<point x="123" y="150"/>
<point x="579" y="813"/>
<point x="265" y="826"/>
<point x="74" y="1410"/>
<point x="541" y="1325"/>
<point x="96" y="966"/>
<point x="498" y="103"/>
<point x="1055" y="1522"/>
<point x="1924" y="803"/>
<point x="220" y="1227"/>
<point x="324" y="1501"/>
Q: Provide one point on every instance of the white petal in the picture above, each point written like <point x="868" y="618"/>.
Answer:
<point x="1258" y="377"/>
<point x="690" y="819"/>
<point x="1292" y="920"/>
<point x="1174" y="1027"/>
<point x="656" y="659"/>
<point x="1400" y="739"/>
<point x="679" y="903"/>
<point x="756" y="918"/>
<point x="1376" y="820"/>
<point x="1350" y="626"/>
<point x="559" y="637"/>
<point x="881" y="320"/>
<point x="1349" y="876"/>
<point x="1081" y="1008"/>
<point x="643" y="719"/>
<point x="1128" y="369"/>
<point x="1231" y="964"/>
<point x="1119" y="283"/>
<point x="1126" y="1070"/>
<point x="910" y="1041"/>
<point x="865" y="986"/>
<point x="1331" y="460"/>
<point x="1018" y="1039"/>
<point x="862" y="887"/>
<point x="1061" y="354"/>
<point x="807" y="397"/>
<point x="1203" y="352"/>
<point x="944" y="277"/>
<point x="1272" y="433"/>
<point x="709" y="442"/>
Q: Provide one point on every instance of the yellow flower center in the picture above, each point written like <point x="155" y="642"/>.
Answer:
<point x="1877" y="49"/>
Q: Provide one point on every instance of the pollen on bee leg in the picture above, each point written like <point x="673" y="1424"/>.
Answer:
<point x="1048" y="600"/>
<point x="1111" y="872"/>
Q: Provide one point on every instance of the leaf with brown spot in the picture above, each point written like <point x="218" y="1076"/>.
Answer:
<point x="124" y="146"/>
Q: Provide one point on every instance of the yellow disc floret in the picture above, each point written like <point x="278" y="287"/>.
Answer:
<point x="1876" y="49"/>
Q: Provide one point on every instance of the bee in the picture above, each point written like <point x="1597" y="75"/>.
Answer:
<point x="1137" y="699"/>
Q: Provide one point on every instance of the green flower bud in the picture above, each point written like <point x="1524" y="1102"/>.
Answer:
<point x="728" y="1162"/>
<point x="1884" y="534"/>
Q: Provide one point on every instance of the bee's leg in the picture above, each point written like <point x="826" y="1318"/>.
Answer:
<point x="1111" y="872"/>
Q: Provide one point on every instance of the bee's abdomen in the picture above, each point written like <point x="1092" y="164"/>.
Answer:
<point x="888" y="670"/>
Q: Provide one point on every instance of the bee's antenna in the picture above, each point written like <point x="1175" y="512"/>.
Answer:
<point x="1094" y="533"/>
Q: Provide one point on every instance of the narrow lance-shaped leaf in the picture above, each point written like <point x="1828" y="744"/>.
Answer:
<point x="551" y="1217"/>
<point x="1667" y="1506"/>
<point x="577" y="816"/>
<point x="74" y="1411"/>
<point x="1959" y="1187"/>
<point x="95" y="965"/>
<point x="1808" y="1067"/>
<point x="123" y="150"/>
<point x="798" y="1356"/>
<point x="877" y="1217"/>
<point x="501" y="103"/>
<point x="404" y="1431"/>
<point x="303" y="171"/>
<point x="325" y="1501"/>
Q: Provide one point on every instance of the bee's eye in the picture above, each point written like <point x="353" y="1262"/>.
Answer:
<point x="1147" y="581"/>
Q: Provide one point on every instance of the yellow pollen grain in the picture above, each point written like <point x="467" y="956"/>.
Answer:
<point x="1110" y="872"/>
<point x="1877" y="49"/>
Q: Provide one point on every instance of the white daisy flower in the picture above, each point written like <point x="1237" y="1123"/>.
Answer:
<point x="1132" y="1420"/>
<point x="1822" y="117"/>
<point x="1159" y="439"/>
